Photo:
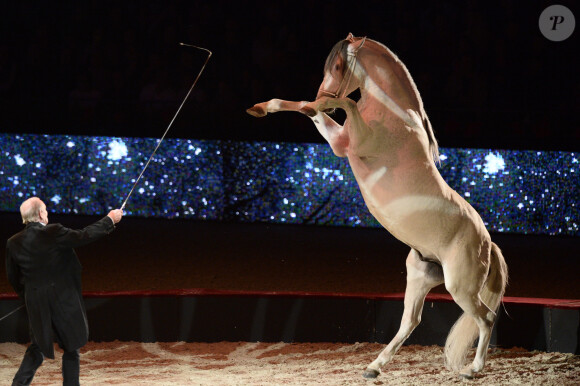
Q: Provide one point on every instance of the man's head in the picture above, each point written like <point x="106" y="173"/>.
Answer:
<point x="33" y="210"/>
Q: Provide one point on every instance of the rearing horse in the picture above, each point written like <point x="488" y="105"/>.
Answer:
<point x="391" y="148"/>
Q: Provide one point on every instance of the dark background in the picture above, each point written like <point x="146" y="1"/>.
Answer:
<point x="487" y="75"/>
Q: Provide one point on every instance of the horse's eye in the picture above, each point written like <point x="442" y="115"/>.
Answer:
<point x="337" y="66"/>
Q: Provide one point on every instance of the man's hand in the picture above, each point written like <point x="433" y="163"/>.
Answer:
<point x="116" y="215"/>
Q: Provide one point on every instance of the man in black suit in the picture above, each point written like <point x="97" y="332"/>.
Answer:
<point x="44" y="270"/>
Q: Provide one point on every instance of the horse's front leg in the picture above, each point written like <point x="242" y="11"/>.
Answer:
<point x="421" y="277"/>
<point x="273" y="106"/>
<point x="327" y="103"/>
<point x="361" y="136"/>
<point x="331" y="131"/>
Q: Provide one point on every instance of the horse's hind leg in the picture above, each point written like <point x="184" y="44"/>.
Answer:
<point x="421" y="277"/>
<point x="484" y="318"/>
<point x="465" y="280"/>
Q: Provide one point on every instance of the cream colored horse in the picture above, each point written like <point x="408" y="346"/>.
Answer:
<point x="392" y="151"/>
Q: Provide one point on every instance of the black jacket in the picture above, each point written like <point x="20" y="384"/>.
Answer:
<point x="44" y="270"/>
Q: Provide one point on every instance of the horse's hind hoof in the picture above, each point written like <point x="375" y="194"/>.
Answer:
<point x="467" y="373"/>
<point x="370" y="373"/>
<point x="256" y="111"/>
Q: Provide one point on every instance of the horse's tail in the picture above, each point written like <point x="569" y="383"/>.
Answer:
<point x="465" y="331"/>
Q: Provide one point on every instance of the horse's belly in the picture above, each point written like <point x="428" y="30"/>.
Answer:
<point x="415" y="205"/>
<point x="414" y="212"/>
<point x="424" y="222"/>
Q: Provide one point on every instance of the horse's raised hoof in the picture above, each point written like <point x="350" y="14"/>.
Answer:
<point x="371" y="373"/>
<point x="256" y="111"/>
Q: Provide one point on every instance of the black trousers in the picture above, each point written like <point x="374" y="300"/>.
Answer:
<point x="32" y="360"/>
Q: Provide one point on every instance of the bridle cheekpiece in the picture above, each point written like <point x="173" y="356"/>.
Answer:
<point x="351" y="66"/>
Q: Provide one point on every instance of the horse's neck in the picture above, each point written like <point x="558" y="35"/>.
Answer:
<point x="385" y="81"/>
<point x="378" y="93"/>
<point x="383" y="67"/>
<point x="400" y="139"/>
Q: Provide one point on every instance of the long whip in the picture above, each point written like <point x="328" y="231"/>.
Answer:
<point x="171" y="123"/>
<point x="157" y="147"/>
<point x="11" y="312"/>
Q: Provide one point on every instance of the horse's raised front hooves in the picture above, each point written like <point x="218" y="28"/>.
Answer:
<point x="256" y="111"/>
<point x="370" y="373"/>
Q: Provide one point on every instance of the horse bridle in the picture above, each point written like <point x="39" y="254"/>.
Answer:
<point x="351" y="63"/>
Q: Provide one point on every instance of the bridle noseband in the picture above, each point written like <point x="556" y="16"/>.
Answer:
<point x="351" y="63"/>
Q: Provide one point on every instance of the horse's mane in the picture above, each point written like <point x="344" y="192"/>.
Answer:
<point x="341" y="48"/>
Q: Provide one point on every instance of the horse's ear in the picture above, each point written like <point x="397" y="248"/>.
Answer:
<point x="350" y="36"/>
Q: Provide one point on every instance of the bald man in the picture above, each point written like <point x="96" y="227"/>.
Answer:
<point x="44" y="270"/>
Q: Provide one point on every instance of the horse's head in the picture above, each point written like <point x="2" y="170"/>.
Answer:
<point x="340" y="67"/>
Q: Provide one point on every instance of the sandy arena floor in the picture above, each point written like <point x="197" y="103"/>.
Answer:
<point x="242" y="363"/>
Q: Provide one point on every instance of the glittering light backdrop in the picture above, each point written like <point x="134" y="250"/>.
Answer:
<point x="514" y="191"/>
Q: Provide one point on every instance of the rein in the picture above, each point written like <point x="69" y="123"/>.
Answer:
<point x="351" y="63"/>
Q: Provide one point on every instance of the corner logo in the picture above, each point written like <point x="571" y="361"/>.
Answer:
<point x="557" y="23"/>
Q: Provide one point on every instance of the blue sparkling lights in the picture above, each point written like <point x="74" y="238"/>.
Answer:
<point x="514" y="191"/>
